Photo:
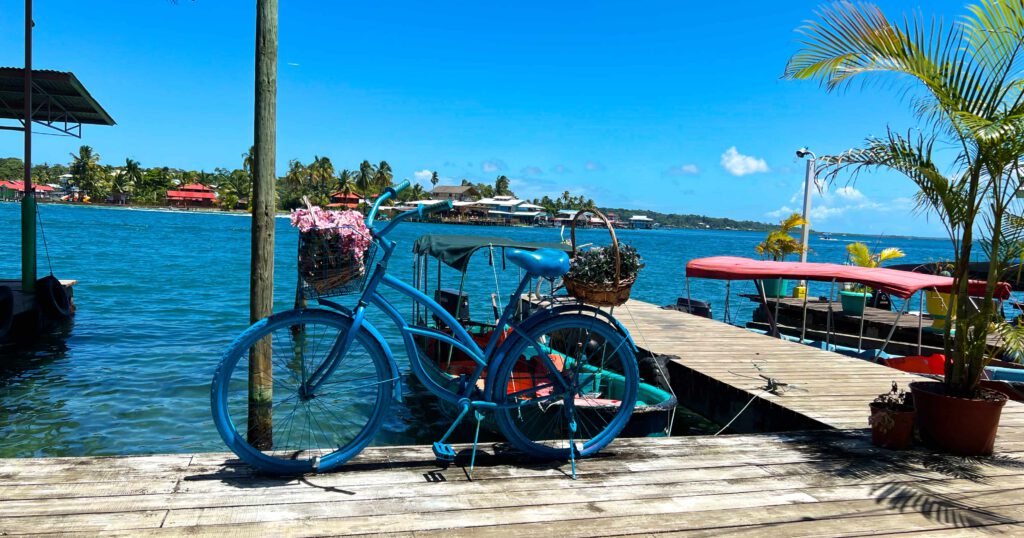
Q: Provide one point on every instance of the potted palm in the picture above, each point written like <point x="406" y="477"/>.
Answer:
<point x="777" y="245"/>
<point x="964" y="82"/>
<point x="855" y="297"/>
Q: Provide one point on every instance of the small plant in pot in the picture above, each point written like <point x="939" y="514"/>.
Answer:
<point x="601" y="276"/>
<point x="855" y="296"/>
<point x="892" y="419"/>
<point x="776" y="246"/>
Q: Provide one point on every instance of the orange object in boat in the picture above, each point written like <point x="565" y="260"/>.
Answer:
<point x="919" y="364"/>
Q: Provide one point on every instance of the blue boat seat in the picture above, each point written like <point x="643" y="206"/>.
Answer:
<point x="543" y="262"/>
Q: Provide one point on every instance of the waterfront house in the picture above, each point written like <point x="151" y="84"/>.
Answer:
<point x="641" y="222"/>
<point x="192" y="195"/>
<point x="455" y="193"/>
<point x="15" y="190"/>
<point x="509" y="210"/>
<point x="347" y="200"/>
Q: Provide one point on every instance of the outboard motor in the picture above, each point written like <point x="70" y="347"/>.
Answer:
<point x="692" y="306"/>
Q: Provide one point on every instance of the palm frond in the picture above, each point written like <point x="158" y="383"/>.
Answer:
<point x="860" y="255"/>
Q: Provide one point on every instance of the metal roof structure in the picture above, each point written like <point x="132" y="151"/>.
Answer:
<point x="59" y="101"/>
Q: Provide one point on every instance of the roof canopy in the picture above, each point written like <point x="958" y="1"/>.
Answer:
<point x="58" y="100"/>
<point x="899" y="283"/>
<point x="456" y="250"/>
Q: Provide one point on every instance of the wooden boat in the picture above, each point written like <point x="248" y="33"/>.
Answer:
<point x="655" y="407"/>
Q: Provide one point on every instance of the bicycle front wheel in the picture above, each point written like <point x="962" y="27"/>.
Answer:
<point x="571" y="381"/>
<point x="265" y="411"/>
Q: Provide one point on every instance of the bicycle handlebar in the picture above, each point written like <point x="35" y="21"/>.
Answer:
<point x="425" y="210"/>
<point x="398" y="188"/>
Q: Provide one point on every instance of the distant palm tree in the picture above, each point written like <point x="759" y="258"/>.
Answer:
<point x="434" y="179"/>
<point x="501" y="186"/>
<point x="346" y="181"/>
<point x="296" y="176"/>
<point x="382" y="178"/>
<point x="321" y="177"/>
<point x="248" y="159"/>
<point x="85" y="170"/>
<point x="132" y="172"/>
<point x="364" y="178"/>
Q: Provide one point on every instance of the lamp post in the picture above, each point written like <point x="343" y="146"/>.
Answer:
<point x="808" y="183"/>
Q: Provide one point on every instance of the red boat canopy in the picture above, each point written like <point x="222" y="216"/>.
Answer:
<point x="899" y="283"/>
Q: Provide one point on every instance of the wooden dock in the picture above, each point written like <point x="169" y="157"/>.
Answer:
<point x="825" y="482"/>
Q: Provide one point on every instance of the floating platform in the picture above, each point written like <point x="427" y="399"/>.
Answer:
<point x="827" y="481"/>
<point x="17" y="310"/>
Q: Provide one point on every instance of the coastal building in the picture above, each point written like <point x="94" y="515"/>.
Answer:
<point x="347" y="200"/>
<point x="641" y="222"/>
<point x="509" y="210"/>
<point x="192" y="195"/>
<point x="455" y="193"/>
<point x="15" y="190"/>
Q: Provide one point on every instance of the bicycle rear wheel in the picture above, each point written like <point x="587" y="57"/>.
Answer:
<point x="300" y="432"/>
<point x="570" y="381"/>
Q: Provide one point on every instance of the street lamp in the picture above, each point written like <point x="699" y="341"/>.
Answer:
<point x="808" y="182"/>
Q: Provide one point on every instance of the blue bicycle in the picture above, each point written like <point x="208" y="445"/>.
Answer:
<point x="559" y="384"/>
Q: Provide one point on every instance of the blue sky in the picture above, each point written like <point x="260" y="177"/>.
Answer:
<point x="671" y="106"/>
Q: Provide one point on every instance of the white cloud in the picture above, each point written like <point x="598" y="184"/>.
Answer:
<point x="593" y="166"/>
<point x="738" y="164"/>
<point x="683" y="170"/>
<point x="422" y="175"/>
<point x="850" y="193"/>
<point x="532" y="171"/>
<point x="560" y="169"/>
<point x="493" y="165"/>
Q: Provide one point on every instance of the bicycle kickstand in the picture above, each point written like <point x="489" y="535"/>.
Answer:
<point x="572" y="447"/>
<point x="476" y="437"/>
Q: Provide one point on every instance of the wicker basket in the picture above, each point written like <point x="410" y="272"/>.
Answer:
<point x="327" y="269"/>
<point x="605" y="293"/>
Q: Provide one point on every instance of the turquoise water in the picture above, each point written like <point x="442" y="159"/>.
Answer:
<point x="161" y="294"/>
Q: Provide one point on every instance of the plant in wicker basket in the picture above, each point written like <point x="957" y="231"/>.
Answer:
<point x="332" y="247"/>
<point x="602" y="276"/>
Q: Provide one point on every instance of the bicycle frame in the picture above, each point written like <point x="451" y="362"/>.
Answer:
<point x="459" y="338"/>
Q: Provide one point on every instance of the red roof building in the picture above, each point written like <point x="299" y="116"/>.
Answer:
<point x="346" y="200"/>
<point x="16" y="189"/>
<point x="192" y="195"/>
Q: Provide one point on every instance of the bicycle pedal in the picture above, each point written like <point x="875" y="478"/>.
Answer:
<point x="444" y="452"/>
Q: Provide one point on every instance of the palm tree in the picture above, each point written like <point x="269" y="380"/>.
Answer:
<point x="501" y="186"/>
<point x="364" y="178"/>
<point x="346" y="181"/>
<point x="248" y="158"/>
<point x="966" y="86"/>
<point x="85" y="170"/>
<point x="321" y="178"/>
<point x="434" y="179"/>
<point x="382" y="178"/>
<point x="132" y="171"/>
<point x="297" y="175"/>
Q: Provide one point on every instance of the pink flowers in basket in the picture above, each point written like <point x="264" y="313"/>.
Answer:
<point x="348" y="227"/>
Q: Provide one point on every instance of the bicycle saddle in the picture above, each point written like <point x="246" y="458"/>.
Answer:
<point x="543" y="262"/>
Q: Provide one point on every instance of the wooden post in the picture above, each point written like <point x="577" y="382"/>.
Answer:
<point x="28" y="201"/>
<point x="261" y="278"/>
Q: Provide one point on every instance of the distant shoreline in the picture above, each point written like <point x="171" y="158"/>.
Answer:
<point x="280" y="214"/>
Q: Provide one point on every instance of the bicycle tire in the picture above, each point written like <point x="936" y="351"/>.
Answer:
<point x="319" y="432"/>
<point x="535" y="411"/>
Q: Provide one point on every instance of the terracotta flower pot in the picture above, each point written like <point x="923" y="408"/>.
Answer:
<point x="891" y="429"/>
<point x="961" y="426"/>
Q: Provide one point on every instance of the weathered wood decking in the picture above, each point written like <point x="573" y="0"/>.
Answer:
<point x="814" y="483"/>
<point x="820" y="484"/>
